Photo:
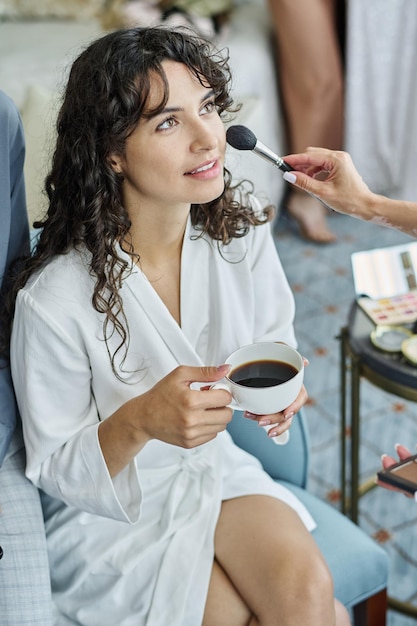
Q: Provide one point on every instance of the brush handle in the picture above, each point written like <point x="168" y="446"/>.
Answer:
<point x="285" y="167"/>
<point x="263" y="151"/>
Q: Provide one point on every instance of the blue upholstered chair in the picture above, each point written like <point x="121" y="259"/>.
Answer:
<point x="358" y="564"/>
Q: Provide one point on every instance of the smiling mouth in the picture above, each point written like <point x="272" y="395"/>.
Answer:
<point x="203" y="168"/>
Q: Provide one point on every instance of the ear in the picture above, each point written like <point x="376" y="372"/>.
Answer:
<point x="115" y="163"/>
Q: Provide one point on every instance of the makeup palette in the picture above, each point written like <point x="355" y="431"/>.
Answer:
<point x="400" y="309"/>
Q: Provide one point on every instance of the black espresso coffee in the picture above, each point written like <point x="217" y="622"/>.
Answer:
<point x="263" y="373"/>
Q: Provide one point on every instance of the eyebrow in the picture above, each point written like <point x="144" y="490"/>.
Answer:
<point x="151" y="116"/>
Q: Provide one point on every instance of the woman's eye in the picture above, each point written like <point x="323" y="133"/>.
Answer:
<point x="170" y="122"/>
<point x="209" y="107"/>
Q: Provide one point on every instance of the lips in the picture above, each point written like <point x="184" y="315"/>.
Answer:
<point x="203" y="168"/>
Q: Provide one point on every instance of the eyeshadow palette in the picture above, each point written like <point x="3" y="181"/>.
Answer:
<point x="400" y="309"/>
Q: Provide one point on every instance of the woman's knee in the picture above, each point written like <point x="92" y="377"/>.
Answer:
<point x="308" y="576"/>
<point x="312" y="568"/>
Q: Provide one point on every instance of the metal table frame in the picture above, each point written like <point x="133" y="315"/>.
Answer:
<point x="353" y="363"/>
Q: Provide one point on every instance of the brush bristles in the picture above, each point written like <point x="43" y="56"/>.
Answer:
<point x="240" y="137"/>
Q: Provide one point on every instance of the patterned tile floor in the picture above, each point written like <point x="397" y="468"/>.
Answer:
<point x="322" y="281"/>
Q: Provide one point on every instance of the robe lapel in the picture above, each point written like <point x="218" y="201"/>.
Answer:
<point x="195" y="291"/>
<point x="185" y="343"/>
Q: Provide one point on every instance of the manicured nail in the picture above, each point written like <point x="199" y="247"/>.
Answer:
<point x="289" y="177"/>
<point x="223" y="368"/>
<point x="287" y="417"/>
<point x="264" y="422"/>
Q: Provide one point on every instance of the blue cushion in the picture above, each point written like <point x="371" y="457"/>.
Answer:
<point x="359" y="566"/>
<point x="288" y="462"/>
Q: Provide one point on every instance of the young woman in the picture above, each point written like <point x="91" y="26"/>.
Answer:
<point x="149" y="270"/>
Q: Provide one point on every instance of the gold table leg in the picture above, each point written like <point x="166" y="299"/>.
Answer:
<point x="406" y="608"/>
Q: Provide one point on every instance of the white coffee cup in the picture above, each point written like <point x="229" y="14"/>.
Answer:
<point x="264" y="378"/>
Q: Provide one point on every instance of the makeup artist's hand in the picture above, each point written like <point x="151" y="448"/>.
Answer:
<point x="332" y="176"/>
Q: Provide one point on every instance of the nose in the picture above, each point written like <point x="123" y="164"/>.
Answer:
<point x="203" y="136"/>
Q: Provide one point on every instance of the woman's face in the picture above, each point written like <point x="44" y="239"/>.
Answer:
<point x="176" y="157"/>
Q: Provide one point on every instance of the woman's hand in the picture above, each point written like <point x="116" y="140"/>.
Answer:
<point x="170" y="411"/>
<point x="388" y="461"/>
<point x="280" y="422"/>
<point x="331" y="176"/>
<point x="175" y="413"/>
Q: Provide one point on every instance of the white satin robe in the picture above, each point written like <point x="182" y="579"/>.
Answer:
<point x="138" y="549"/>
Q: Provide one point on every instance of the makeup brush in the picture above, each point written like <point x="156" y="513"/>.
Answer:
<point x="242" y="138"/>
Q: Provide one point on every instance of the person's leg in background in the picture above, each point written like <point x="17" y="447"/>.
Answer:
<point x="310" y="76"/>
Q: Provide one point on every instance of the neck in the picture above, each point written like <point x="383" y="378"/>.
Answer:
<point x="158" y="244"/>
<point x="157" y="237"/>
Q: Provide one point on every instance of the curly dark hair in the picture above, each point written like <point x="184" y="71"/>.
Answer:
<point x="106" y="95"/>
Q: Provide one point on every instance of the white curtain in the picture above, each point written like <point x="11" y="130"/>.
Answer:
<point x="381" y="94"/>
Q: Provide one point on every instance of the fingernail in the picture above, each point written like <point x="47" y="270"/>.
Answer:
<point x="250" y="416"/>
<point x="264" y="422"/>
<point x="287" y="417"/>
<point x="397" y="445"/>
<point x="223" y="368"/>
<point x="289" y="177"/>
<point x="383" y="456"/>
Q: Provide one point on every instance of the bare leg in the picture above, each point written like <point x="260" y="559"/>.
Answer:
<point x="342" y="615"/>
<point x="311" y="82"/>
<point x="224" y="606"/>
<point x="268" y="569"/>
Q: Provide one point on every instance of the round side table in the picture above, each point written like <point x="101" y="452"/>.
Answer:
<point x="386" y="370"/>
